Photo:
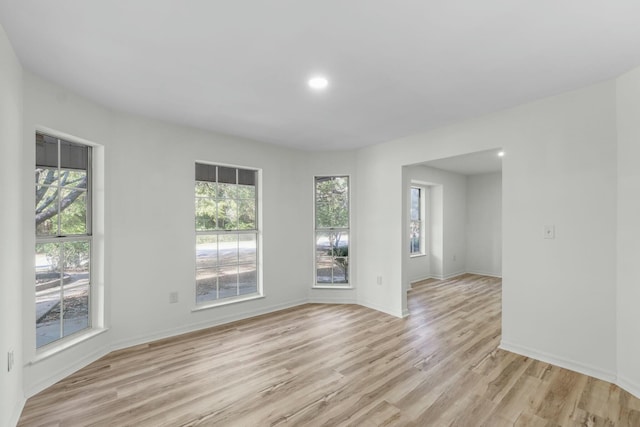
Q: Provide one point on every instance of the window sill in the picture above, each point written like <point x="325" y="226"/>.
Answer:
<point x="417" y="255"/>
<point x="227" y="301"/>
<point x="63" y="345"/>
<point x="331" y="287"/>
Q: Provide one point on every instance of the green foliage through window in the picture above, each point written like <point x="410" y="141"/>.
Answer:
<point x="226" y="232"/>
<point x="63" y="238"/>
<point x="332" y="230"/>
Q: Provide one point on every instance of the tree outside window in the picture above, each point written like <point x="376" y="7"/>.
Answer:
<point x="332" y="230"/>
<point x="63" y="238"/>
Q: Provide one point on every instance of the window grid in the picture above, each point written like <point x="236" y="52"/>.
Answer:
<point x="416" y="221"/>
<point x="332" y="231"/>
<point x="226" y="233"/>
<point x="63" y="246"/>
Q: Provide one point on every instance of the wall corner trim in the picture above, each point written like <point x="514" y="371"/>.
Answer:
<point x="628" y="385"/>
<point x="374" y="306"/>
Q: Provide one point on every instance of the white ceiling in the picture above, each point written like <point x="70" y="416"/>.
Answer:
<point x="395" y="67"/>
<point x="470" y="164"/>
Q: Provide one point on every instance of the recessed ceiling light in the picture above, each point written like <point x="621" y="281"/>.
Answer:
<point x="318" y="83"/>
<point x="500" y="153"/>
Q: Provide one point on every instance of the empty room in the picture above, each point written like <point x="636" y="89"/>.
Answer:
<point x="363" y="213"/>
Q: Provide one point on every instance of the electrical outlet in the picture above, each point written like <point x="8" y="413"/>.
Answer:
<point x="9" y="361"/>
<point x="173" y="297"/>
<point x="549" y="231"/>
<point x="455" y="257"/>
<point x="379" y="280"/>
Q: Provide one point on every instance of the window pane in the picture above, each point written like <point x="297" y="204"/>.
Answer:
<point x="48" y="257"/>
<point x="46" y="151"/>
<point x="247" y="215"/>
<point x="74" y="178"/>
<point x="47" y="319"/>
<point x="73" y="156"/>
<point x="228" y="249"/>
<point x="73" y="212"/>
<point x="76" y="263"/>
<point x="205" y="214"/>
<point x="75" y="310"/>
<point x="48" y="281"/>
<point x="206" y="285"/>
<point x="247" y="177"/>
<point x="206" y="189"/>
<point x="415" y="203"/>
<point x="340" y="270"/>
<point x="248" y="279"/>
<point x="227" y="175"/>
<point x="206" y="252"/>
<point x="246" y="192"/>
<point x="340" y="244"/>
<point x="205" y="172"/>
<point x="324" y="269"/>
<point x="324" y="258"/>
<point x="228" y="281"/>
<point x="332" y="202"/>
<point x="247" y="249"/>
<point x="414" y="237"/>
<point x="227" y="191"/>
<point x="46" y="211"/>
<point x="227" y="214"/>
<point x="340" y="252"/>
<point x="46" y="176"/>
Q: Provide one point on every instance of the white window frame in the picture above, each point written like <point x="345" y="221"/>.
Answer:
<point x="258" y="236"/>
<point x="422" y="237"/>
<point x="93" y="322"/>
<point x="324" y="285"/>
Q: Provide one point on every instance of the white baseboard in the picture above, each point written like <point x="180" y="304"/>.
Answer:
<point x="17" y="411"/>
<point x="630" y="386"/>
<point x="562" y="362"/>
<point x="192" y="327"/>
<point x="331" y="300"/>
<point x="484" y="273"/>
<point x="420" y="279"/>
<point x="460" y="273"/>
<point x="50" y="380"/>
<point x="382" y="309"/>
<point x="43" y="383"/>
<point x="452" y="275"/>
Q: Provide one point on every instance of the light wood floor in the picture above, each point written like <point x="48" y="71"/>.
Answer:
<point x="333" y="365"/>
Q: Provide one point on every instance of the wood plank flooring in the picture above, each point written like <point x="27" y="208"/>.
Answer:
<point x="338" y="365"/>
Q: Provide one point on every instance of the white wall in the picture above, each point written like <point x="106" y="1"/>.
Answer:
<point x="560" y="152"/>
<point x="484" y="224"/>
<point x="379" y="195"/>
<point x="11" y="218"/>
<point x="149" y="224"/>
<point x="628" y="91"/>
<point x="436" y="227"/>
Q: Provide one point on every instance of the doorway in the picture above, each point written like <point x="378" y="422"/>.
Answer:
<point x="462" y="221"/>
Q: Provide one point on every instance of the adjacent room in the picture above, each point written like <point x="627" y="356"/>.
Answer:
<point x="336" y="213"/>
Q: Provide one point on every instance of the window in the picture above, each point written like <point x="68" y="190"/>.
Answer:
<point x="226" y="233"/>
<point x="63" y="238"/>
<point x="332" y="230"/>
<point x="416" y="222"/>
